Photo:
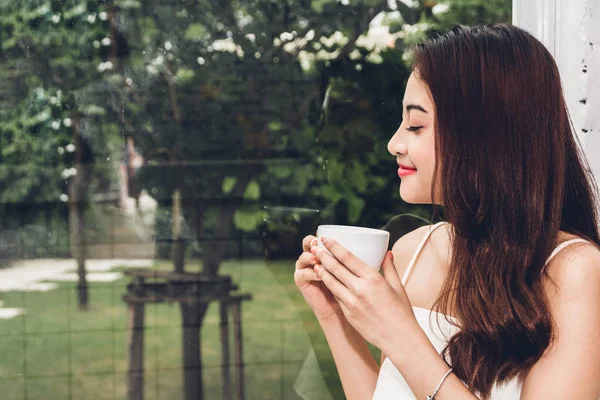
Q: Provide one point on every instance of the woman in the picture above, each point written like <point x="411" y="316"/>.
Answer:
<point x="506" y="291"/>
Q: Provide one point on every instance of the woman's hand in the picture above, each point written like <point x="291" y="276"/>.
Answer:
<point x="376" y="306"/>
<point x="315" y="293"/>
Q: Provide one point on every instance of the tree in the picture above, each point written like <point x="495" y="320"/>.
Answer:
<point x="56" y="61"/>
<point x="234" y="104"/>
<point x="228" y="99"/>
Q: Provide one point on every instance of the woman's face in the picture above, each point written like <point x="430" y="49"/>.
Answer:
<point x="413" y="144"/>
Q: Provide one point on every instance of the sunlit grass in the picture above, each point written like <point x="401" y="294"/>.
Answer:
<point x="55" y="351"/>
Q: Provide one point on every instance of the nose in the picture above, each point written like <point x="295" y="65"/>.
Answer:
<point x="397" y="145"/>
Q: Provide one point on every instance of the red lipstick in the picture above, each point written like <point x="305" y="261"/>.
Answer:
<point x="405" y="170"/>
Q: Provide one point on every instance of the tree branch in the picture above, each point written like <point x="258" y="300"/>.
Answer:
<point x="362" y="25"/>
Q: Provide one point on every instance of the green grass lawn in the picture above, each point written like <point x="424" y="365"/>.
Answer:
<point x="55" y="351"/>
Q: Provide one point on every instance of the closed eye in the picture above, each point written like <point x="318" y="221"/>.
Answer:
<point x="413" y="128"/>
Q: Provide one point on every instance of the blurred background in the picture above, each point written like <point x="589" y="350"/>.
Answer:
<point x="160" y="163"/>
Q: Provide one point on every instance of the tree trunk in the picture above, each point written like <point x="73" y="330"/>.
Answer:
<point x="76" y="218"/>
<point x="192" y="316"/>
<point x="178" y="246"/>
<point x="214" y="254"/>
<point x="78" y="248"/>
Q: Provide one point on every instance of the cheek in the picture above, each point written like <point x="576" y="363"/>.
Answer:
<point x="428" y="158"/>
<point x="425" y="159"/>
<point x="416" y="189"/>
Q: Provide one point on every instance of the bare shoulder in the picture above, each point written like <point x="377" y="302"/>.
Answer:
<point x="575" y="271"/>
<point x="405" y="247"/>
<point x="570" y="366"/>
<point x="409" y="242"/>
<point x="573" y="288"/>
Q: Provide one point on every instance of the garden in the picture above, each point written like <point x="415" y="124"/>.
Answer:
<point x="195" y="143"/>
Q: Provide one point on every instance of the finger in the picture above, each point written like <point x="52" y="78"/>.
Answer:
<point x="335" y="268"/>
<point x="306" y="242"/>
<point x="305" y="260"/>
<point x="303" y="277"/>
<point x="345" y="257"/>
<point x="336" y="287"/>
<point x="390" y="273"/>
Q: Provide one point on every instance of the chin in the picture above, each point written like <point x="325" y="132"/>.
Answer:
<point x="411" y="196"/>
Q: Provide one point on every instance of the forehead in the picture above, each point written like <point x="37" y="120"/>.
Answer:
<point x="416" y="93"/>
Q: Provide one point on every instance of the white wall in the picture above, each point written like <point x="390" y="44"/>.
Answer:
<point x="571" y="31"/>
<point x="591" y="34"/>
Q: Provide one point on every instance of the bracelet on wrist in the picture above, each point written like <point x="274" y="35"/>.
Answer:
<point x="432" y="396"/>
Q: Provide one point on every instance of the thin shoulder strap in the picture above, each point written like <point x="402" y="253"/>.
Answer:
<point x="562" y="246"/>
<point x="412" y="262"/>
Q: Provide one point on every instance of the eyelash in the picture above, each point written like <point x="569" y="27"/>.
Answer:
<point x="413" y="128"/>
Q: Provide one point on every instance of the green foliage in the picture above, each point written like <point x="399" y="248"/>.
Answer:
<point x="199" y="82"/>
<point x="252" y="191"/>
<point x="257" y="71"/>
<point x="228" y="184"/>
<point x="470" y="12"/>
<point x="49" y="64"/>
<point x="247" y="218"/>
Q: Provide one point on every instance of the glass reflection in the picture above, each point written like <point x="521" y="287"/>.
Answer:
<point x="160" y="163"/>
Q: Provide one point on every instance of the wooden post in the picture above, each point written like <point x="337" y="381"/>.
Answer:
<point x="236" y="307"/>
<point x="192" y="368"/>
<point x="135" y="389"/>
<point x="225" y="368"/>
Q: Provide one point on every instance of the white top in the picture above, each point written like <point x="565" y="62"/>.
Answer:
<point x="391" y="384"/>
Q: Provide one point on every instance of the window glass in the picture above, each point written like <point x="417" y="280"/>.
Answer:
<point x="160" y="164"/>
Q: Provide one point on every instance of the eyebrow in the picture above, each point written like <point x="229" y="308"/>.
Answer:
<point x="415" y="107"/>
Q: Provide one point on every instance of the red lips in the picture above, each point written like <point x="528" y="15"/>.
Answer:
<point x="406" y="167"/>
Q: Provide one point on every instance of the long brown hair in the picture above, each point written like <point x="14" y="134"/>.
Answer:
<point x="512" y="176"/>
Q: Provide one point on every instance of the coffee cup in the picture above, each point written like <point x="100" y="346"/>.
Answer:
<point x="367" y="244"/>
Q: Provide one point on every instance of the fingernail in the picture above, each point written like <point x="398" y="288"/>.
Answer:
<point x="390" y="255"/>
<point x="316" y="268"/>
<point x="324" y="239"/>
<point x="315" y="241"/>
<point x="313" y="259"/>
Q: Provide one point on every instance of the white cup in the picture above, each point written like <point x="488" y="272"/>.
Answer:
<point x="367" y="244"/>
